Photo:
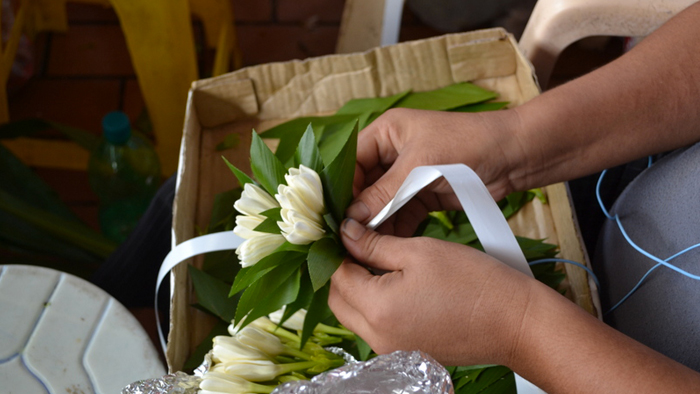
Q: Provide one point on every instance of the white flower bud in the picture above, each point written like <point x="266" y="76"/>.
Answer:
<point x="228" y="349"/>
<point x="261" y="340"/>
<point x="295" y="322"/>
<point x="253" y="370"/>
<point x="254" y="200"/>
<point x="302" y="211"/>
<point x="255" y="249"/>
<point x="218" y="382"/>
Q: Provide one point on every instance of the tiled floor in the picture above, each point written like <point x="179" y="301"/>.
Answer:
<point x="83" y="74"/>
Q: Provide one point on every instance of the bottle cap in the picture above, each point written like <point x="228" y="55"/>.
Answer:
<point x="116" y="127"/>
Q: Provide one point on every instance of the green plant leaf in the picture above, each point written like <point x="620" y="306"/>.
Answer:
<point x="291" y="132"/>
<point x="317" y="312"/>
<point x="306" y="294"/>
<point x="70" y="231"/>
<point x="273" y="291"/>
<point x="372" y="104"/>
<point x="212" y="294"/>
<point x="18" y="180"/>
<point x="269" y="225"/>
<point x="267" y="168"/>
<point x="482" y="107"/>
<point x="230" y="141"/>
<point x="249" y="275"/>
<point x="334" y="139"/>
<point x="195" y="359"/>
<point x="242" y="177"/>
<point x="337" y="178"/>
<point x="273" y="213"/>
<point x="325" y="256"/>
<point x="486" y="378"/>
<point x="363" y="348"/>
<point x="307" y="152"/>
<point x="449" y="97"/>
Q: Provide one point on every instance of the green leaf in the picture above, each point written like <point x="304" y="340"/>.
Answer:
<point x="334" y="139"/>
<point x="29" y="127"/>
<point x="338" y="176"/>
<point x="230" y="141"/>
<point x="273" y="213"/>
<point x="275" y="290"/>
<point x="363" y="105"/>
<point x="196" y="358"/>
<point x="212" y="294"/>
<point x="363" y="348"/>
<point x="482" y="107"/>
<point x="69" y="231"/>
<point x="269" y="225"/>
<point x="446" y="98"/>
<point x="242" y="177"/>
<point x="17" y="179"/>
<point x="223" y="215"/>
<point x="306" y="294"/>
<point x="267" y="168"/>
<point x="297" y="124"/>
<point x="307" y="152"/>
<point x="291" y="132"/>
<point x="487" y="378"/>
<point x="250" y="275"/>
<point x="317" y="312"/>
<point x="325" y="256"/>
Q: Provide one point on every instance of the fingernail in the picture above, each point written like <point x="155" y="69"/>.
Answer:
<point x="352" y="229"/>
<point x="358" y="211"/>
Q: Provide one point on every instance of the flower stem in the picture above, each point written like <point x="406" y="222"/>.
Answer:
<point x="261" y="388"/>
<point x="334" y="330"/>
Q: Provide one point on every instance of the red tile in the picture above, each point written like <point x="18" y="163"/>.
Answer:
<point x="88" y="13"/>
<point x="301" y="11"/>
<point x="252" y="10"/>
<point x="264" y="44"/>
<point x="90" y="50"/>
<point x="77" y="103"/>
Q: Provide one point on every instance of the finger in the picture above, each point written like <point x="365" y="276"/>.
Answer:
<point x="371" y="248"/>
<point x="345" y="283"/>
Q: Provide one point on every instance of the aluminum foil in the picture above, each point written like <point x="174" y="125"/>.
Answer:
<point x="395" y="373"/>
<point x="177" y="383"/>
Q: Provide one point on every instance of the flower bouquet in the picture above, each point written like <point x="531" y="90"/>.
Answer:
<point x="287" y="217"/>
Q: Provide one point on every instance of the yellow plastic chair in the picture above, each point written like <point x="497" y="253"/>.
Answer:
<point x="160" y="40"/>
<point x="555" y="24"/>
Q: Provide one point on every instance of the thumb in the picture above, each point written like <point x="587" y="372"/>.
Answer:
<point x="376" y="196"/>
<point x="371" y="248"/>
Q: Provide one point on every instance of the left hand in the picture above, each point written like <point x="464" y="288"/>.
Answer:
<point x="454" y="302"/>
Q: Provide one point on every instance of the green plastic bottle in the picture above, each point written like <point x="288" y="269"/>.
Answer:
<point x="124" y="172"/>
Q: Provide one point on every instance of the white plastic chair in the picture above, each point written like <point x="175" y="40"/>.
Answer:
<point x="555" y="24"/>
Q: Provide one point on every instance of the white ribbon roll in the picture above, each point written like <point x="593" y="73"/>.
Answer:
<point x="489" y="224"/>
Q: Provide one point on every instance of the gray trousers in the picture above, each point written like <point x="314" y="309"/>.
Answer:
<point x="660" y="211"/>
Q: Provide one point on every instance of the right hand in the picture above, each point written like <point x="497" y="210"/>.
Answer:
<point x="402" y="139"/>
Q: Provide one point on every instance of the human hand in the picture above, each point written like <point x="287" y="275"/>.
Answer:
<point x="402" y="139"/>
<point x="454" y="302"/>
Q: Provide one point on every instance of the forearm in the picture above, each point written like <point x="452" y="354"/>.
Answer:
<point x="645" y="102"/>
<point x="563" y="349"/>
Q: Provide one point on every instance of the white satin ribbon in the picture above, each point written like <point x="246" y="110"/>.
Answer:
<point x="489" y="224"/>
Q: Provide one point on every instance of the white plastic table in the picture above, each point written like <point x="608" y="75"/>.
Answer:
<point x="62" y="334"/>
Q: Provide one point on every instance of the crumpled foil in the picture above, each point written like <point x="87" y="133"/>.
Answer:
<point x="177" y="383"/>
<point x="396" y="373"/>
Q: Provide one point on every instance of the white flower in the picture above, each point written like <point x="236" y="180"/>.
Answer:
<point x="228" y="349"/>
<point x="253" y="370"/>
<point x="295" y="322"/>
<point x="255" y="249"/>
<point x="301" y="200"/>
<point x="218" y="382"/>
<point x="257" y="245"/>
<point x="260" y="339"/>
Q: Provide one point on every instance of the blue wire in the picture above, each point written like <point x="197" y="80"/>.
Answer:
<point x="659" y="262"/>
<point x="557" y="260"/>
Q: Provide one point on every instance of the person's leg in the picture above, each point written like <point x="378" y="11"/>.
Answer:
<point x="660" y="212"/>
